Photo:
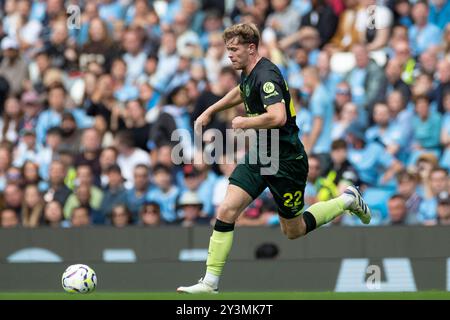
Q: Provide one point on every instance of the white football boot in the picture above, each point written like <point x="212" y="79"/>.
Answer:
<point x="200" y="287"/>
<point x="358" y="206"/>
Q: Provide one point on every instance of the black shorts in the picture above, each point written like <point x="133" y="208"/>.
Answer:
<point x="287" y="185"/>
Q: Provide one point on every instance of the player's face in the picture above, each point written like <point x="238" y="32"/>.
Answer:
<point x="238" y="53"/>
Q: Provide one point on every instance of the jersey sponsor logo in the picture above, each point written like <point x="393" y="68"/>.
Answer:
<point x="273" y="94"/>
<point x="268" y="87"/>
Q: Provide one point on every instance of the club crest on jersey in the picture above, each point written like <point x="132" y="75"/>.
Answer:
<point x="268" y="87"/>
<point x="247" y="90"/>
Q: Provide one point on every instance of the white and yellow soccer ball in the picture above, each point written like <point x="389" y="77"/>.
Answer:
<point x="79" y="278"/>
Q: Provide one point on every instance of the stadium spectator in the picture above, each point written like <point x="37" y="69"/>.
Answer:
<point x="9" y="123"/>
<point x="321" y="108"/>
<point x="136" y="123"/>
<point x="321" y="17"/>
<point x="150" y="215"/>
<point x="424" y="165"/>
<point x="372" y="162"/>
<point x="164" y="192"/>
<point x="402" y="51"/>
<point x="71" y="134"/>
<point x="86" y="193"/>
<point x="443" y="209"/>
<point x="398" y="213"/>
<point x="386" y="132"/>
<point x="57" y="190"/>
<point x="129" y="156"/>
<point x="426" y="129"/>
<point x="120" y="216"/>
<point x="31" y="107"/>
<point x="13" y="197"/>
<point x="30" y="175"/>
<point x="313" y="186"/>
<point x="444" y="50"/>
<point x="9" y="218"/>
<point x="443" y="85"/>
<point x="90" y="147"/>
<point x="374" y="24"/>
<point x="99" y="48"/>
<point x="49" y="151"/>
<point x="344" y="118"/>
<point x="366" y="79"/>
<point x="103" y="103"/>
<point x="108" y="157"/>
<point x="428" y="61"/>
<point x="114" y="194"/>
<point x="402" y="13"/>
<point x="197" y="178"/>
<point x="174" y="116"/>
<point x="422" y="34"/>
<point x="226" y="80"/>
<point x="53" y="115"/>
<point x="401" y="118"/>
<point x="13" y="66"/>
<point x="393" y="74"/>
<point x="428" y="208"/>
<point x="439" y="13"/>
<point x="135" y="197"/>
<point x="80" y="217"/>
<point x="342" y="95"/>
<point x="32" y="207"/>
<point x="341" y="173"/>
<point x="190" y="208"/>
<point x="26" y="149"/>
<point x="347" y="33"/>
<point x="445" y="133"/>
<point x="407" y="187"/>
<point x="53" y="215"/>
<point x="134" y="55"/>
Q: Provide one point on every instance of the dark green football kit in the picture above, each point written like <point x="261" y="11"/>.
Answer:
<point x="265" y="86"/>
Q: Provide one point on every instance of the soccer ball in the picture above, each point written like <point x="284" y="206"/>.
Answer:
<point x="79" y="278"/>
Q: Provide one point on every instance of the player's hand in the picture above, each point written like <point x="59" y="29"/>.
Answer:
<point x="238" y="123"/>
<point x="202" y="121"/>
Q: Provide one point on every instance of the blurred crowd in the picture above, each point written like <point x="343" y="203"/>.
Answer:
<point x="91" y="92"/>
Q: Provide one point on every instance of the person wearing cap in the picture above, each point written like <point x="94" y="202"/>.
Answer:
<point x="13" y="67"/>
<point x="190" y="208"/>
<point x="374" y="165"/>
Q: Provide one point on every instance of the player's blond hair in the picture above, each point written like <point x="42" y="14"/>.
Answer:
<point x="246" y="33"/>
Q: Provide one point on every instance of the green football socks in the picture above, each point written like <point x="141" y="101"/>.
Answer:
<point x="219" y="247"/>
<point x="323" y="212"/>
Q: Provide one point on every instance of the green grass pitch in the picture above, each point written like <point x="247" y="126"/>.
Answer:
<point x="421" y="295"/>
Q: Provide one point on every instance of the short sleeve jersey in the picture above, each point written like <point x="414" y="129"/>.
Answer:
<point x="265" y="86"/>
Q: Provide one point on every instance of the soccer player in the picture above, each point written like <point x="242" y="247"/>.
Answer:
<point x="268" y="104"/>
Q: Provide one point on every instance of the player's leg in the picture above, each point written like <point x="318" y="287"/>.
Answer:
<point x="323" y="212"/>
<point x="245" y="186"/>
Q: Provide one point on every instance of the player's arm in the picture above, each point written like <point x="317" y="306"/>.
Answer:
<point x="275" y="117"/>
<point x="231" y="99"/>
